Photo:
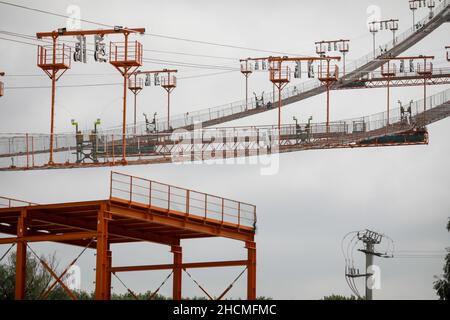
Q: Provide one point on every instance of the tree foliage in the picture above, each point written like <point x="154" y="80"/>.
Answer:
<point x="442" y="286"/>
<point x="339" y="297"/>
<point x="37" y="279"/>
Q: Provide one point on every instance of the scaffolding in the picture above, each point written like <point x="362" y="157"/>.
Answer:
<point x="137" y="210"/>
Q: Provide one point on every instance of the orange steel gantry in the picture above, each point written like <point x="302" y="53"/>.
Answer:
<point x="56" y="59"/>
<point x="168" y="82"/>
<point x="389" y="71"/>
<point x="342" y="46"/>
<point x="138" y="210"/>
<point x="2" y="88"/>
<point x="280" y="76"/>
<point x="247" y="70"/>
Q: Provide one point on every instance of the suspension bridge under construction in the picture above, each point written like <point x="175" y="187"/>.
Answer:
<point x="140" y="210"/>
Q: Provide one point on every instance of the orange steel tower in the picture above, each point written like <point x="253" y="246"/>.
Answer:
<point x="55" y="60"/>
<point x="2" y="88"/>
<point x="168" y="82"/>
<point x="389" y="71"/>
<point x="280" y="77"/>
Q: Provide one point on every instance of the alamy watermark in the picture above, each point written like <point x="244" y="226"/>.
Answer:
<point x="228" y="146"/>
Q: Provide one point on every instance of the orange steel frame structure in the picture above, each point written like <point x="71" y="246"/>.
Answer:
<point x="58" y="61"/>
<point x="99" y="224"/>
<point x="426" y="71"/>
<point x="169" y="84"/>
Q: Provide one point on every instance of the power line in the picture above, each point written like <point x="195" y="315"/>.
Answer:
<point x="150" y="60"/>
<point x="67" y="86"/>
<point x="148" y="34"/>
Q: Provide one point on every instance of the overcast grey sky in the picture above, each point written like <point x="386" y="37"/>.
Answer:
<point x="305" y="209"/>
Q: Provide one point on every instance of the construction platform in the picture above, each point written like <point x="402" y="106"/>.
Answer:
<point x="138" y="210"/>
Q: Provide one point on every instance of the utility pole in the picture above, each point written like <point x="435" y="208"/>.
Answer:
<point x="375" y="26"/>
<point x="369" y="252"/>
<point x="168" y="83"/>
<point x="369" y="240"/>
<point x="373" y="30"/>
<point x="247" y="69"/>
<point x="135" y="85"/>
<point x="413" y="6"/>
<point x="342" y="46"/>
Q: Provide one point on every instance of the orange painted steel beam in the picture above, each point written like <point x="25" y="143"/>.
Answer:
<point x="331" y="41"/>
<point x="60" y="282"/>
<point x="102" y="32"/>
<point x="251" y="270"/>
<point x="191" y="265"/>
<point x="211" y="229"/>
<point x="21" y="256"/>
<point x="108" y="272"/>
<point x="116" y="231"/>
<point x="50" y="237"/>
<point x="102" y="255"/>
<point x="406" y="58"/>
<point x="283" y="59"/>
<point x="155" y="71"/>
<point x="177" y="272"/>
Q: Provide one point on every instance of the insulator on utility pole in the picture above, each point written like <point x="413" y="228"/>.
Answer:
<point x="298" y="70"/>
<point x="148" y="80"/>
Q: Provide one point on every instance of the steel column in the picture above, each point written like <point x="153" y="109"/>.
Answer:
<point x="101" y="290"/>
<point x="21" y="257"/>
<point x="168" y="107"/>
<point x="108" y="273"/>
<point x="135" y="107"/>
<point x="124" y="118"/>
<point x="177" y="272"/>
<point x="251" y="271"/>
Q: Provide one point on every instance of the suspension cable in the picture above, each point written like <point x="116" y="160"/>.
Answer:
<point x="128" y="289"/>
<point x="201" y="288"/>
<point x="159" y="288"/>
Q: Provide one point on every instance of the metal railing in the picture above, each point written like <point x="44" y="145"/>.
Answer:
<point x="6" y="202"/>
<point x="185" y="202"/>
<point x="62" y="55"/>
<point x="28" y="150"/>
<point x="119" y="53"/>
